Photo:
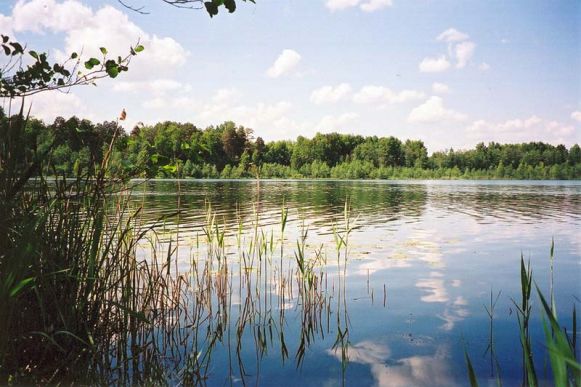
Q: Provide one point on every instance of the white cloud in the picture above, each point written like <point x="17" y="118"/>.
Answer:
<point x="226" y="95"/>
<point x="433" y="111"/>
<point x="576" y="116"/>
<point x="155" y="86"/>
<point x="224" y="106"/>
<point x="155" y="103"/>
<point x="364" y="5"/>
<point x="440" y="88"/>
<point x="337" y="5"/>
<point x="434" y="65"/>
<point x="6" y="25"/>
<point x="48" y="106"/>
<point x="452" y="35"/>
<point x="40" y="15"/>
<point x="483" y="66"/>
<point x="330" y="94"/>
<point x="164" y="102"/>
<point x="375" y="5"/>
<point x="528" y="129"/>
<point x="86" y="30"/>
<point x="464" y="52"/>
<point x="336" y="123"/>
<point x="284" y="64"/>
<point x="371" y="94"/>
<point x="460" y="49"/>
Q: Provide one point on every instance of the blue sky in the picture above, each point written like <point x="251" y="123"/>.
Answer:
<point x="452" y="73"/>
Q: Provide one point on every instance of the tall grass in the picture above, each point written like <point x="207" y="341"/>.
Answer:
<point x="73" y="294"/>
<point x="560" y="345"/>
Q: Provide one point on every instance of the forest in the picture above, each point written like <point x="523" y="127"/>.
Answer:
<point x="182" y="150"/>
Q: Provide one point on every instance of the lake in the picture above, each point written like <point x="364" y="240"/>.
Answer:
<point x="397" y="304"/>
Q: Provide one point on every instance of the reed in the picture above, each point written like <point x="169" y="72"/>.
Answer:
<point x="561" y="347"/>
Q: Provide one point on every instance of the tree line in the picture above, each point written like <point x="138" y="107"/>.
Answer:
<point x="171" y="149"/>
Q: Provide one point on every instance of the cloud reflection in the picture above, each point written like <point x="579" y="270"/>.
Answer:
<point x="426" y="370"/>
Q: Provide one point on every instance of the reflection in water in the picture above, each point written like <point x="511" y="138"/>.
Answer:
<point x="432" y="370"/>
<point x="435" y="289"/>
<point x="266" y="304"/>
<point x="378" y="204"/>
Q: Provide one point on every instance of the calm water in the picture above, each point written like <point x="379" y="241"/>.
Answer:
<point x="423" y="260"/>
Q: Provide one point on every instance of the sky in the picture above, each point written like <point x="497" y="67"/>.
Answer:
<point x="452" y="73"/>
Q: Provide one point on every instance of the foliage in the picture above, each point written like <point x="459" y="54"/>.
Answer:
<point x="19" y="80"/>
<point x="172" y="149"/>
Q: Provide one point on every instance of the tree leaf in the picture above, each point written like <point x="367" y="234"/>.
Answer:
<point x="92" y="62"/>
<point x="211" y="8"/>
<point x="139" y="48"/>
<point x="230" y="5"/>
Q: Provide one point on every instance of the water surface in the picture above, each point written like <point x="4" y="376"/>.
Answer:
<point x="423" y="260"/>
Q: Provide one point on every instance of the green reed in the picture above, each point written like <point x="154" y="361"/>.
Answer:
<point x="561" y="347"/>
<point x="73" y="293"/>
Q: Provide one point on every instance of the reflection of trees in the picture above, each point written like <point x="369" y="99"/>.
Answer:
<point x="375" y="203"/>
<point x="493" y="202"/>
<point x="321" y="202"/>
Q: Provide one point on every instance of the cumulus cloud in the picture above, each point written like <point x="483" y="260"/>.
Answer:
<point x="335" y="123"/>
<point x="86" y="30"/>
<point x="460" y="50"/>
<point x="284" y="64"/>
<point x="48" y="106"/>
<point x="440" y="88"/>
<point x="452" y="35"/>
<point x="330" y="94"/>
<point x="226" y="95"/>
<point x="434" y="65"/>
<point x="225" y="105"/>
<point x="464" y="52"/>
<point x="364" y="5"/>
<point x="433" y="111"/>
<point x="576" y="115"/>
<point x="156" y="86"/>
<point x="374" y="5"/>
<point x="372" y="94"/>
<point x="164" y="102"/>
<point x="528" y="129"/>
<point x="41" y="15"/>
